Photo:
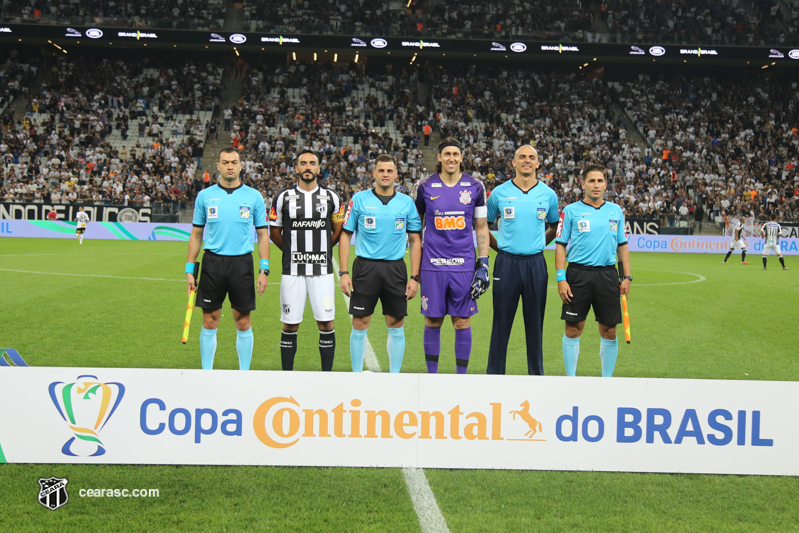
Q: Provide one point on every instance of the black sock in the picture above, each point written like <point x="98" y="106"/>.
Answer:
<point x="782" y="262"/>
<point x="743" y="256"/>
<point x="288" y="349"/>
<point x="728" y="256"/>
<point x="327" y="348"/>
<point x="764" y="261"/>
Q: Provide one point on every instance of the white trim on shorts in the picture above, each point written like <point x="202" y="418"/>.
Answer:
<point x="296" y="290"/>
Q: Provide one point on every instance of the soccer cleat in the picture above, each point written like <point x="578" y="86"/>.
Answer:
<point x="785" y="268"/>
<point x="764" y="268"/>
<point x="725" y="262"/>
<point x="744" y="262"/>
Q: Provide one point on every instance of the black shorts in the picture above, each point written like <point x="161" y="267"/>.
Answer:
<point x="596" y="287"/>
<point x="80" y="230"/>
<point x="223" y="275"/>
<point x="373" y="279"/>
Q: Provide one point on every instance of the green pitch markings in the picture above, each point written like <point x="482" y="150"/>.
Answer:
<point x="2" y="456"/>
<point x="119" y="231"/>
<point x="58" y="227"/>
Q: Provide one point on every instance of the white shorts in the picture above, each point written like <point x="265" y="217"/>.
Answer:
<point x="295" y="290"/>
<point x="740" y="244"/>
<point x="772" y="247"/>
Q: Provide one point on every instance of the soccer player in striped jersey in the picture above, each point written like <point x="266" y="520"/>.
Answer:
<point x="771" y="232"/>
<point x="82" y="219"/>
<point x="306" y="223"/>
<point x="738" y="241"/>
<point x="451" y="202"/>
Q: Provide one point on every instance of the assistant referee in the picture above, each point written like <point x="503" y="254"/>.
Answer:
<point x="227" y="212"/>
<point x="594" y="231"/>
<point x="529" y="214"/>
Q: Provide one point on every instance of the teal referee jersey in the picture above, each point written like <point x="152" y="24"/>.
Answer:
<point x="229" y="216"/>
<point x="524" y="216"/>
<point x="381" y="227"/>
<point x="595" y="233"/>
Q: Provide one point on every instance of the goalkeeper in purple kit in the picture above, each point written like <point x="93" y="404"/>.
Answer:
<point x="451" y="203"/>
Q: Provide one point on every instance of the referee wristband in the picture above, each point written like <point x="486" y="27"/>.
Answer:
<point x="560" y="275"/>
<point x="189" y="268"/>
<point x="265" y="264"/>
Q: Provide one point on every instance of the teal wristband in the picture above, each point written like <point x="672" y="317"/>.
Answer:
<point x="265" y="264"/>
<point x="560" y="275"/>
<point x="189" y="268"/>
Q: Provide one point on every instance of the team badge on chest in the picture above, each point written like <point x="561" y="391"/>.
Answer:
<point x="370" y="222"/>
<point x="614" y="225"/>
<point x="244" y="211"/>
<point x="321" y="208"/>
<point x="541" y="214"/>
<point x="213" y="211"/>
<point x="466" y="197"/>
<point x="508" y="213"/>
<point x="583" y="226"/>
<point x="399" y="223"/>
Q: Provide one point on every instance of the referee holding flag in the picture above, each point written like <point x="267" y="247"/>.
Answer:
<point x="594" y="231"/>
<point x="227" y="212"/>
<point x="528" y="212"/>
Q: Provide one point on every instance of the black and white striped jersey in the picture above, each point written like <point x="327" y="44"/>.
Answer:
<point x="306" y="219"/>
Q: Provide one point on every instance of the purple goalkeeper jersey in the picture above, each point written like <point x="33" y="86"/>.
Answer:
<point x="449" y="213"/>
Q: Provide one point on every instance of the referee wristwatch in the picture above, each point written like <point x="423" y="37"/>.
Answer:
<point x="264" y="271"/>
<point x="417" y="278"/>
<point x="342" y="272"/>
<point x="627" y="277"/>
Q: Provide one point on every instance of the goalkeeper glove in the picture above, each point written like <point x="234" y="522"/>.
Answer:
<point x="480" y="282"/>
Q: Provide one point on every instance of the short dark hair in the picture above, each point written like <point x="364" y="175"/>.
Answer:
<point x="230" y="150"/>
<point x="385" y="158"/>
<point x="307" y="151"/>
<point x="592" y="168"/>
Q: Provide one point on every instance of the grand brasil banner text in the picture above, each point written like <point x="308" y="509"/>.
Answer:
<point x="162" y="416"/>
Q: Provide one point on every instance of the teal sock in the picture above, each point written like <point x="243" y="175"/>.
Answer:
<point x="396" y="348"/>
<point x="207" y="348"/>
<point x="571" y="352"/>
<point x="357" y="339"/>
<point x="244" y="348"/>
<point x="608" y="350"/>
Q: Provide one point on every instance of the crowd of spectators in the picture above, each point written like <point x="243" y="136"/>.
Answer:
<point x="74" y="144"/>
<point x="179" y="14"/>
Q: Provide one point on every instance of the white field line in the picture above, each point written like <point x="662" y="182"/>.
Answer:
<point x="424" y="501"/>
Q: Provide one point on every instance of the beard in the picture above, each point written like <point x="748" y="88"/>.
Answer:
<point x="304" y="177"/>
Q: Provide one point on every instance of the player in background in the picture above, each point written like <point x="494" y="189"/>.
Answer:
<point x="305" y="222"/>
<point x="771" y="232"/>
<point x="528" y="211"/>
<point x="451" y="202"/>
<point x="82" y="219"/>
<point x="384" y="220"/>
<point x="738" y="241"/>
<point x="594" y="231"/>
<point x="52" y="214"/>
<point x="228" y="211"/>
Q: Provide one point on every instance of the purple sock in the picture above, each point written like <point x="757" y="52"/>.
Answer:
<point x="463" y="348"/>
<point x="432" y="348"/>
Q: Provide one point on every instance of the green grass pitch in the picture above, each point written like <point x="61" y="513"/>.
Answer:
<point x="121" y="304"/>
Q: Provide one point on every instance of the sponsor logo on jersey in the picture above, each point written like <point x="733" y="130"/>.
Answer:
<point x="244" y="211"/>
<point x="273" y="214"/>
<point x="450" y="223"/>
<point x="465" y="183"/>
<point x="399" y="223"/>
<point x="434" y="197"/>
<point x="614" y="225"/>
<point x="541" y="213"/>
<point x="583" y="226"/>
<point x="446" y="261"/>
<point x="213" y="211"/>
<point x="560" y="225"/>
<point x="309" y="258"/>
<point x="438" y="185"/>
<point x="370" y="222"/>
<point x="508" y="213"/>
<point x="309" y="224"/>
<point x="466" y="197"/>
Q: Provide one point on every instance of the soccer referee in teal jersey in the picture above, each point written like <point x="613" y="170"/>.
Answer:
<point x="228" y="212"/>
<point x="383" y="220"/>
<point x="594" y="232"/>
<point x="528" y="212"/>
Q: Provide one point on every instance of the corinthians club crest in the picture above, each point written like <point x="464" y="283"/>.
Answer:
<point x="86" y="405"/>
<point x="53" y="492"/>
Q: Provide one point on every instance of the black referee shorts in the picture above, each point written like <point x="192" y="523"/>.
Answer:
<point x="230" y="275"/>
<point x="374" y="279"/>
<point x="596" y="287"/>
